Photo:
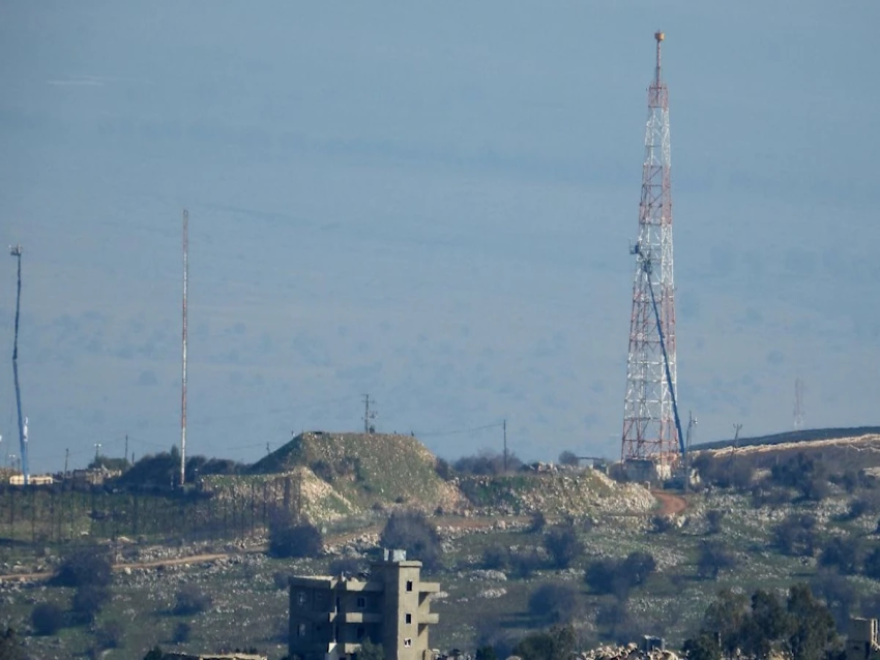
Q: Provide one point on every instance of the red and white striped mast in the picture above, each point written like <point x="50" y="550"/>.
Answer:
<point x="649" y="430"/>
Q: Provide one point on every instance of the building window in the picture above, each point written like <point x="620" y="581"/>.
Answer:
<point x="360" y="632"/>
<point x="408" y="618"/>
<point x="361" y="602"/>
<point x="301" y="630"/>
<point x="407" y="641"/>
<point x="301" y="598"/>
<point x="409" y="585"/>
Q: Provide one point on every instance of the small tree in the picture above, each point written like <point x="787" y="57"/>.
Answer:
<point x="291" y="539"/>
<point x="563" y="545"/>
<point x="109" y="636"/>
<point x="714" y="518"/>
<point x="486" y="653"/>
<point x="557" y="603"/>
<point x="154" y="654"/>
<point x="569" y="458"/>
<point x="872" y="564"/>
<point x="702" y="647"/>
<point x="182" y="632"/>
<point x="371" y="651"/>
<point x="87" y="602"/>
<point x="11" y="647"/>
<point x="844" y="553"/>
<point x="495" y="558"/>
<point x="191" y="600"/>
<point x="89" y="565"/>
<point x="47" y="618"/>
<point x="713" y="559"/>
<point x="411" y="531"/>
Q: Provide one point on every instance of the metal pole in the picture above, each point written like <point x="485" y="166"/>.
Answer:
<point x="183" y="372"/>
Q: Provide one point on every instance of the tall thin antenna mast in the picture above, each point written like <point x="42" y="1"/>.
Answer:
<point x="15" y="251"/>
<point x="183" y="373"/>
<point x="798" y="404"/>
<point x="369" y="415"/>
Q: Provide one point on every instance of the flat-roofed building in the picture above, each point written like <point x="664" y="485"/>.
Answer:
<point x="331" y="616"/>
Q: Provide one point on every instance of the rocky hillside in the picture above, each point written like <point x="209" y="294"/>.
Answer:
<point x="555" y="492"/>
<point x="365" y="470"/>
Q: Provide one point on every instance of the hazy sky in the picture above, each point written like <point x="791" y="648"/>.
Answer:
<point x="431" y="203"/>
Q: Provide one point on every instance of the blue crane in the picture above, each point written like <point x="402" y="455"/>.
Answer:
<point x="15" y="251"/>
<point x="647" y="268"/>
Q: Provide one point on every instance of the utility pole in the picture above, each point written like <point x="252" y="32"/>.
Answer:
<point x="66" y="458"/>
<point x="504" y="427"/>
<point x="126" y="447"/>
<point x="15" y="251"/>
<point x="183" y="368"/>
<point x="97" y="451"/>
<point x="649" y="427"/>
<point x="268" y="449"/>
<point x="369" y="415"/>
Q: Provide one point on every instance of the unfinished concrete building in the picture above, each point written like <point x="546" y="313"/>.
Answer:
<point x="331" y="616"/>
<point x="863" y="640"/>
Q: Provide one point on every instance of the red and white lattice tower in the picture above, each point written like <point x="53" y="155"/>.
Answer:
<point x="649" y="430"/>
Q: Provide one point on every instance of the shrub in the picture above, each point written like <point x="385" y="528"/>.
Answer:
<point x="563" y="545"/>
<point x="109" y="636"/>
<point x="411" y="531"/>
<point x="287" y="539"/>
<point x="558" y="603"/>
<point x="558" y="643"/>
<point x="371" y="651"/>
<point x="839" y="595"/>
<point x="85" y="566"/>
<point x="190" y="600"/>
<point x="486" y="653"/>
<point x="795" y="535"/>
<point x="495" y="558"/>
<point x="569" y="458"/>
<point x="443" y="469"/>
<point x="714" y="518"/>
<point x="487" y="462"/>
<point x="524" y="564"/>
<point x="87" y="602"/>
<point x="702" y="647"/>
<point x="638" y="566"/>
<point x="182" y="632"/>
<point x="615" y="576"/>
<point x="47" y="618"/>
<point x="661" y="524"/>
<point x="11" y="647"/>
<point x="843" y="553"/>
<point x="872" y="564"/>
<point x="713" y="559"/>
<point x="539" y="522"/>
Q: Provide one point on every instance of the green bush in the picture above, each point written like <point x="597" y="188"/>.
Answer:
<point x="47" y="618"/>
<point x="413" y="532"/>
<point x="288" y="539"/>
<point x="88" y="565"/>
<point x="563" y="545"/>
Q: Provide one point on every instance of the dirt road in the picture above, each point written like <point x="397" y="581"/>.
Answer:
<point x="669" y="504"/>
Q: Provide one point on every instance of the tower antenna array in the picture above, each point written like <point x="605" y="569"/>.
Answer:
<point x="649" y="428"/>
<point x="15" y="251"/>
<point x="183" y="352"/>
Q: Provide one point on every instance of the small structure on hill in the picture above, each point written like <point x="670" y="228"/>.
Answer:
<point x="330" y="617"/>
